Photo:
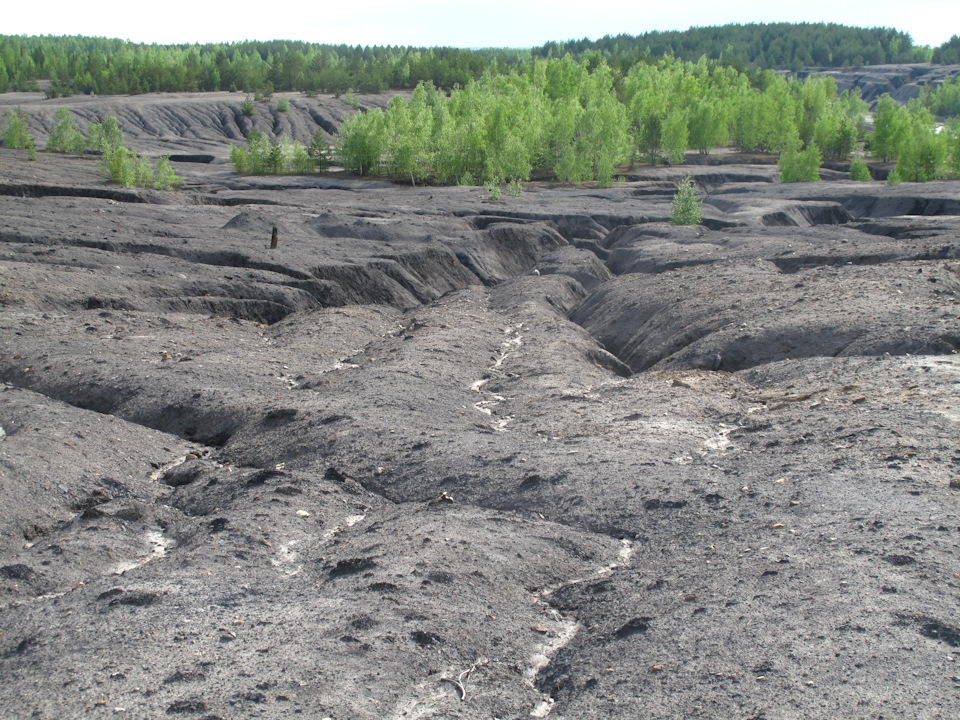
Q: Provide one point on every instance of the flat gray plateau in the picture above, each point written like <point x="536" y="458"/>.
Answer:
<point x="442" y="456"/>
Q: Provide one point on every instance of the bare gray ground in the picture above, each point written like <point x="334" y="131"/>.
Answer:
<point x="439" y="456"/>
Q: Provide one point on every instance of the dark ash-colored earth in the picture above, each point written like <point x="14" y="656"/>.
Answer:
<point x="438" y="456"/>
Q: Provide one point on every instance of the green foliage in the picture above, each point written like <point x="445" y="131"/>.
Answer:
<point x="361" y="141"/>
<point x="893" y="179"/>
<point x="17" y="135"/>
<point x="263" y="156"/>
<point x="952" y="130"/>
<point x="493" y="191"/>
<point x="319" y="151"/>
<point x="247" y="107"/>
<point x="782" y="45"/>
<point x="888" y="127"/>
<point x="120" y="164"/>
<point x="165" y="178"/>
<point x="943" y="100"/>
<point x="859" y="171"/>
<point x="110" y="66"/>
<point x="264" y="94"/>
<point x="949" y="52"/>
<point x="283" y="104"/>
<point x="117" y="165"/>
<point x="799" y="165"/>
<point x="687" y="207"/>
<point x="105" y="135"/>
<point x="579" y="121"/>
<point x="352" y="100"/>
<point x="910" y="135"/>
<point x="515" y="188"/>
<point x="65" y="136"/>
<point x="922" y="151"/>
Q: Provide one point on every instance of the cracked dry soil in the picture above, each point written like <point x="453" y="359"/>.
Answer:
<point x="442" y="457"/>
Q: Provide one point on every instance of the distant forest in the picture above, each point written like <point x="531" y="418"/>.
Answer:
<point x="773" y="46"/>
<point x="105" y="66"/>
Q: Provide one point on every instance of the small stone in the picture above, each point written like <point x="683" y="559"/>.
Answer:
<point x="955" y="483"/>
<point x="303" y="513"/>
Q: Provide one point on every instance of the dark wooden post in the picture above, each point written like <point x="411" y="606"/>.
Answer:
<point x="273" y="240"/>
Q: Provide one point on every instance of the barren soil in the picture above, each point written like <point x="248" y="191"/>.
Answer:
<point x="438" y="456"/>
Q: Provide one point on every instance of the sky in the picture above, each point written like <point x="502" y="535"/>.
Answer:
<point x="481" y="23"/>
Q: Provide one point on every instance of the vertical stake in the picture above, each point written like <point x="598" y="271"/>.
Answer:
<point x="274" y="239"/>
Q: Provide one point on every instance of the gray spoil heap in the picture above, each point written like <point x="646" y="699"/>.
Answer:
<point x="436" y="455"/>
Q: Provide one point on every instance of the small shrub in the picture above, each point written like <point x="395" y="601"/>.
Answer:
<point x="165" y="177"/>
<point x="17" y="134"/>
<point x="240" y="159"/>
<point x="859" y="171"/>
<point x="894" y="179"/>
<point x="105" y="135"/>
<point x="283" y="104"/>
<point x="800" y="165"/>
<point x="514" y="188"/>
<point x="65" y="137"/>
<point x="116" y="165"/>
<point x="300" y="161"/>
<point x="687" y="206"/>
<point x="143" y="175"/>
<point x="352" y="100"/>
<point x="247" y="107"/>
<point x="264" y="94"/>
<point x="493" y="191"/>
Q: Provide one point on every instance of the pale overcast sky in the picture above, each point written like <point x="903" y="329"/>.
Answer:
<point x="481" y="23"/>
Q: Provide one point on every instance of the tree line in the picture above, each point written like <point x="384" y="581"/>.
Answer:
<point x="774" y="45"/>
<point x="78" y="64"/>
<point x="110" y="67"/>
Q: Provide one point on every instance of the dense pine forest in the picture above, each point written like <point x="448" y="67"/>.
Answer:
<point x="112" y="66"/>
<point x="777" y="45"/>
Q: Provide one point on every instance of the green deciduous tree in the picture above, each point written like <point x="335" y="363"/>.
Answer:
<point x="65" y="136"/>
<point x="799" y="165"/>
<point x="17" y="135"/>
<point x="105" y="135"/>
<point x="859" y="171"/>
<point x="888" y="124"/>
<point x="921" y="151"/>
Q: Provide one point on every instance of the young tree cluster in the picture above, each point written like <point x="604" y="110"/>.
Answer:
<point x="943" y="100"/>
<point x="263" y="156"/>
<point x="120" y="164"/>
<point x="579" y="120"/>
<point x="910" y="135"/>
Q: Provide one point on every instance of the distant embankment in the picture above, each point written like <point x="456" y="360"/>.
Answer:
<point x="903" y="82"/>
<point x="193" y="123"/>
